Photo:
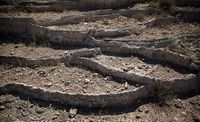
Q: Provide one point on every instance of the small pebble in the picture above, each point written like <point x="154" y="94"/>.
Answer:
<point x="95" y="74"/>
<point x="140" y="110"/>
<point x="146" y="111"/>
<point x="48" y="85"/>
<point x="184" y="113"/>
<point x="66" y="52"/>
<point x="2" y="108"/>
<point x="126" y="85"/>
<point x="175" y="118"/>
<point x="72" y="112"/>
<point x="87" y="81"/>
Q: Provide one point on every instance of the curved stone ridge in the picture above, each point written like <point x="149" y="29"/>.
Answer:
<point x="183" y="85"/>
<point x="85" y="100"/>
<point x="81" y="38"/>
<point x="131" y="77"/>
<point x="78" y="58"/>
<point x="57" y="5"/>
<point x="43" y="30"/>
<point x="97" y="100"/>
<point x="155" y="54"/>
<point x="158" y="43"/>
<point x="20" y="61"/>
<point x="65" y="57"/>
<point x="30" y="28"/>
<point x="134" y="78"/>
<point x="86" y="17"/>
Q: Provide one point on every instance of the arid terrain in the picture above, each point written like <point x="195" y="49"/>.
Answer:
<point x="73" y="61"/>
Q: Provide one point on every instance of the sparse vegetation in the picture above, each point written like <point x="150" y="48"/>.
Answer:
<point x="161" y="93"/>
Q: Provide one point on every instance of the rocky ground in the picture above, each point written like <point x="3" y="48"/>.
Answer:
<point x="87" y="70"/>
<point x="139" y="66"/>
<point x="13" y="108"/>
<point x="62" y="78"/>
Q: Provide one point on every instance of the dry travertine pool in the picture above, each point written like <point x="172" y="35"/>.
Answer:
<point x="45" y="16"/>
<point x="40" y="16"/>
<point x="21" y="50"/>
<point x="138" y="31"/>
<point x="139" y="66"/>
<point x="61" y="77"/>
<point x="171" y="30"/>
<point x="105" y="23"/>
<point x="35" y="52"/>
<point x="64" y="79"/>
